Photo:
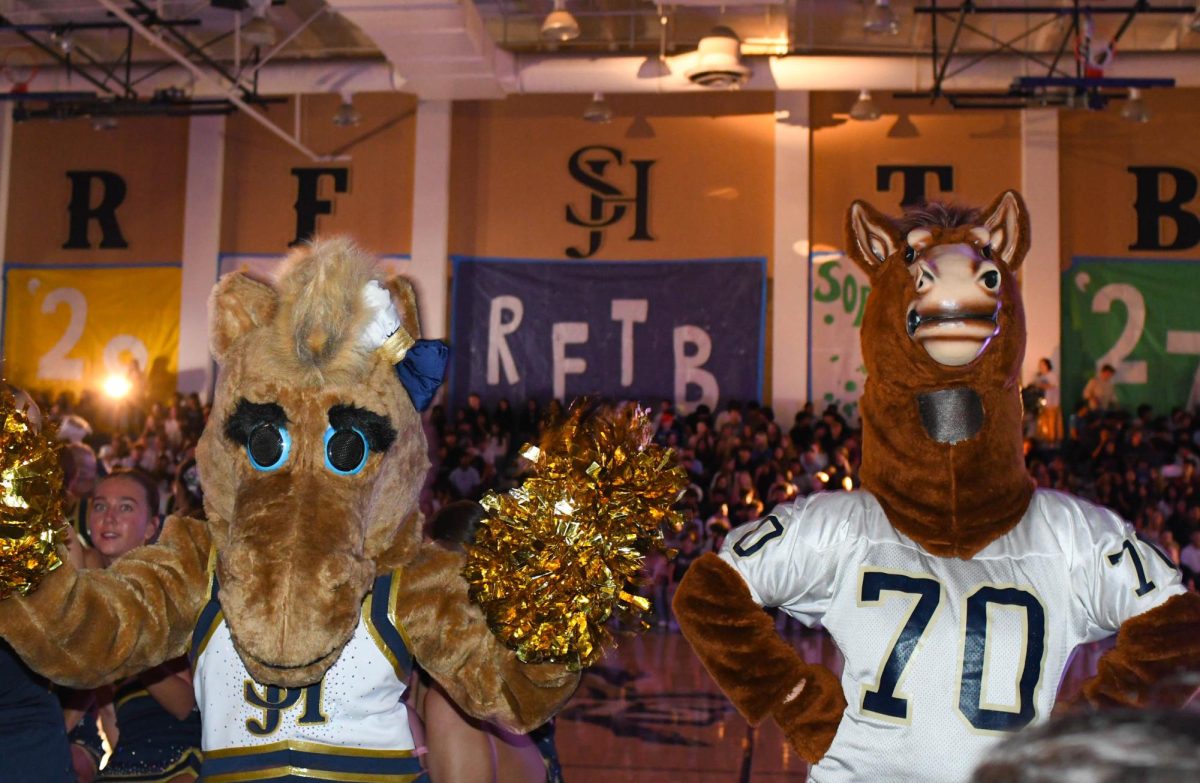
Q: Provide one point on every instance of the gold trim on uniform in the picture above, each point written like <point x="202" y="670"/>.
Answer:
<point x="218" y="618"/>
<point x="379" y="643"/>
<point x="208" y="590"/>
<point x="310" y="747"/>
<point x="393" y="610"/>
<point x="315" y="774"/>
<point x="392" y="613"/>
<point x="128" y="696"/>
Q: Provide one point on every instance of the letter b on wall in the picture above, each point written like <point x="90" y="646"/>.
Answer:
<point x="1153" y="208"/>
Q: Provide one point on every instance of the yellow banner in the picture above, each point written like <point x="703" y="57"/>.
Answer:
<point x="75" y="329"/>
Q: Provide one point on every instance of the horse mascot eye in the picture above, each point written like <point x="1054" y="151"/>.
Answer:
<point x="345" y="450"/>
<point x="268" y="446"/>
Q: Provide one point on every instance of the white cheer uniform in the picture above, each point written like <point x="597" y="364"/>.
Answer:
<point x="945" y="657"/>
<point x="351" y="726"/>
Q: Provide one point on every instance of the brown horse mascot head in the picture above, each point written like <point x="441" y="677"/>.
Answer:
<point x="943" y="336"/>
<point x="313" y="459"/>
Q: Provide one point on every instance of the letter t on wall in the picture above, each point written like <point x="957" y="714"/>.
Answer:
<point x="629" y="312"/>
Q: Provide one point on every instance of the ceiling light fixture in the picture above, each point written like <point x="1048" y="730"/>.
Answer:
<point x="881" y="19"/>
<point x="1135" y="109"/>
<point x="259" y="31"/>
<point x="560" y="25"/>
<point x="346" y="115"/>
<point x="64" y="41"/>
<point x="864" y="109"/>
<point x="598" y="110"/>
<point x="719" y="61"/>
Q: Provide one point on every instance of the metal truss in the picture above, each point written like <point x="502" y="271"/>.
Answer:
<point x="116" y="88"/>
<point x="117" y="93"/>
<point x="1060" y="86"/>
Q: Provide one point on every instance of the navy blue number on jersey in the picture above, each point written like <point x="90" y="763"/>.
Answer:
<point x="752" y="541"/>
<point x="970" y="694"/>
<point x="883" y="700"/>
<point x="1144" y="585"/>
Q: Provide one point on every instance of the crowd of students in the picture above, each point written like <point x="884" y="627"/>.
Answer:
<point x="742" y="462"/>
<point x="124" y="474"/>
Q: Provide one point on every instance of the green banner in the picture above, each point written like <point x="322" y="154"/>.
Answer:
<point x="1140" y="316"/>
<point x="835" y="368"/>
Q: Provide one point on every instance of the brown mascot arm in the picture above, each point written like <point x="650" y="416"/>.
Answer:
<point x="1150" y="647"/>
<point x="760" y="673"/>
<point x="451" y="640"/>
<point x="84" y="629"/>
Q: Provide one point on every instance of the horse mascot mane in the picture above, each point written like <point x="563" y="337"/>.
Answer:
<point x="955" y="590"/>
<point x="308" y="592"/>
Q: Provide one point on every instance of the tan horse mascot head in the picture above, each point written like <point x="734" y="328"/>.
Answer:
<point x="314" y="456"/>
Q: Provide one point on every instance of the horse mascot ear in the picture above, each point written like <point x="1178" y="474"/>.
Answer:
<point x="1007" y="222"/>
<point x="872" y="237"/>
<point x="239" y="304"/>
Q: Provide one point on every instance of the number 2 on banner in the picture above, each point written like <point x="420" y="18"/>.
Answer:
<point x="1135" y="307"/>
<point x="55" y="365"/>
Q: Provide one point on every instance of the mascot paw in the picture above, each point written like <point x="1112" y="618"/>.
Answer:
<point x="810" y="714"/>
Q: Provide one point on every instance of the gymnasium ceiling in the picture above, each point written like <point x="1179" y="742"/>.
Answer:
<point x="483" y="48"/>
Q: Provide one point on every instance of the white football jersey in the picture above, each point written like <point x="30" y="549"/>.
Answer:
<point x="352" y="725"/>
<point x="944" y="657"/>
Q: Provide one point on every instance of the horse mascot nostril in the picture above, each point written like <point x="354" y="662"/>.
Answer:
<point x="955" y="591"/>
<point x="308" y="592"/>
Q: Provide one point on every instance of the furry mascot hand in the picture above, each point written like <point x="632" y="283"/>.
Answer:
<point x="727" y="629"/>
<point x="307" y="594"/>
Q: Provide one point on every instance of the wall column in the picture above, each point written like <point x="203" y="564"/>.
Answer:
<point x="790" y="278"/>
<point x="430" y="270"/>
<point x="201" y="249"/>
<point x="6" y="134"/>
<point x="1040" y="273"/>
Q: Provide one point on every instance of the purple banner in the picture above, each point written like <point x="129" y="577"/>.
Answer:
<point x="687" y="331"/>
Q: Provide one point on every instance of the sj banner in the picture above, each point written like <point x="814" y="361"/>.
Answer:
<point x="839" y="296"/>
<point x="1139" y="316"/>
<point x="68" y="329"/>
<point x="686" y="331"/>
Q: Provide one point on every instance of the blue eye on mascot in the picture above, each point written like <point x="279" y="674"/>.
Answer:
<point x="955" y="590"/>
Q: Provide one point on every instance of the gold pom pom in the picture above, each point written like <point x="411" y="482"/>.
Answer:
<point x="31" y="513"/>
<point x="558" y="555"/>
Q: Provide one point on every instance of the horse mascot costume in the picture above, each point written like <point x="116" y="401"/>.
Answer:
<point x="308" y="592"/>
<point x="955" y="591"/>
